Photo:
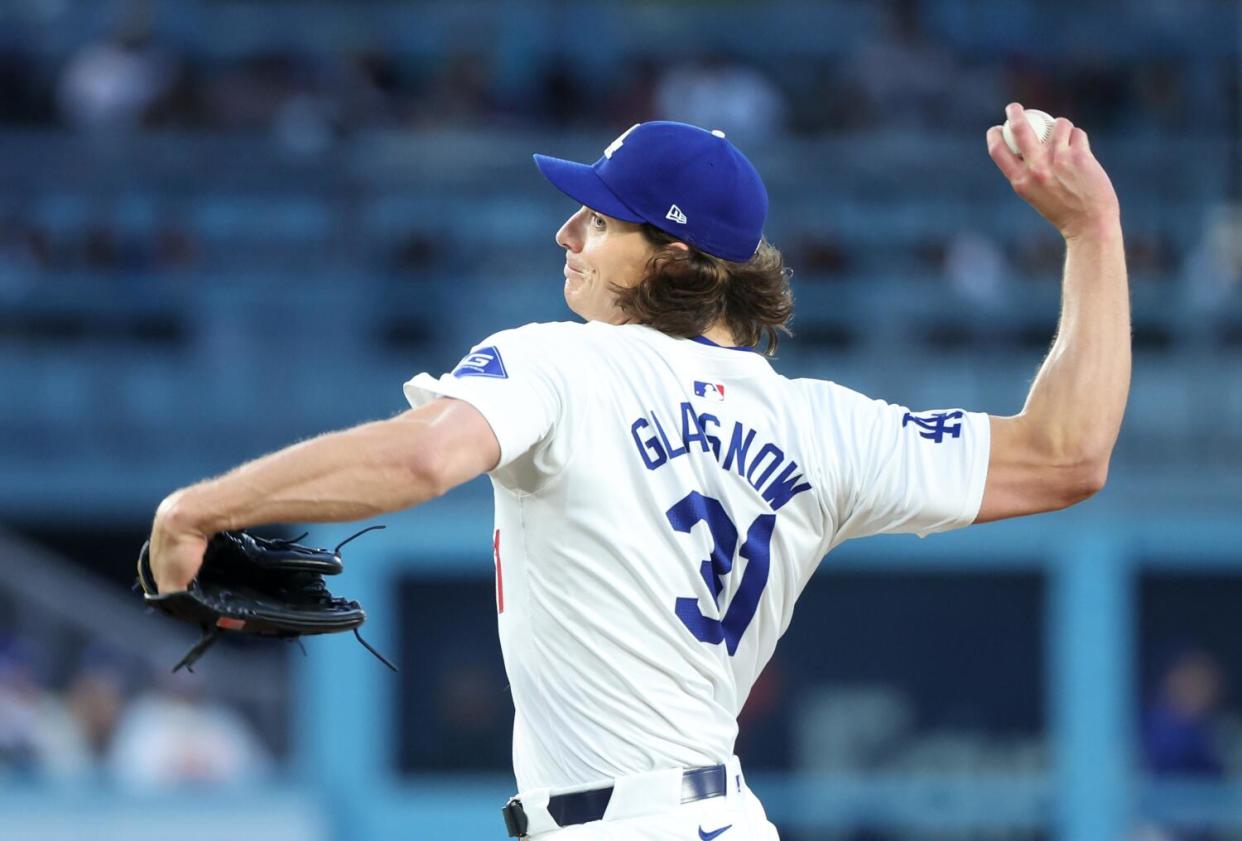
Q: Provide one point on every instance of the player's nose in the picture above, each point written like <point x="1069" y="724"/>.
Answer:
<point x="569" y="236"/>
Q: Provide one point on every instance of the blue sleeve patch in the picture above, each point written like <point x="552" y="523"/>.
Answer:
<point x="483" y="362"/>
<point x="934" y="426"/>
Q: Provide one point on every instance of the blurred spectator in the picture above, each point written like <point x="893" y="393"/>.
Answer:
<point x="1098" y="88"/>
<point x="633" y="100"/>
<point x="369" y="89"/>
<point x="174" y="248"/>
<point x="1179" y="737"/>
<point x="1029" y="81"/>
<point x="1159" y="91"/>
<point x="247" y="94"/>
<point x="821" y="255"/>
<point x="112" y="86"/>
<point x="979" y="94"/>
<point x="306" y="123"/>
<point x="76" y="730"/>
<point x="416" y="251"/>
<point x="24" y="252"/>
<point x="1040" y="255"/>
<point x="716" y="92"/>
<point x="558" y="102"/>
<point x="1150" y="255"/>
<point x="24" y="99"/>
<point x="182" y="106"/>
<point x="1212" y="271"/>
<point x="906" y="79"/>
<point x="101" y="250"/>
<point x="460" y="95"/>
<point x="21" y="698"/>
<point x="173" y="736"/>
<point x="977" y="270"/>
<point x="828" y="100"/>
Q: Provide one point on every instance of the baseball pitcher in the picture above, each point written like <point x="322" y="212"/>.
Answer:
<point x="662" y="495"/>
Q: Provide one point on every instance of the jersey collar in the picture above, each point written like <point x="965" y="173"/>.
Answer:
<point x="706" y="341"/>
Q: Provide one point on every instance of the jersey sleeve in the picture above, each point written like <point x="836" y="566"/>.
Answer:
<point x="899" y="471"/>
<point x="514" y="379"/>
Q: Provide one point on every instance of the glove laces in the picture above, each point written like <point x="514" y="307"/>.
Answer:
<point x="315" y="587"/>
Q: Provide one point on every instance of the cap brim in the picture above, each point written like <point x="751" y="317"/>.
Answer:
<point x="582" y="184"/>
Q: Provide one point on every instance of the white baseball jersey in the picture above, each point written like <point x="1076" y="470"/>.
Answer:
<point x="660" y="505"/>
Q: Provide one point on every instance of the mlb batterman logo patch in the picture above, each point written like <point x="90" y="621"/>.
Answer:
<point x="711" y="391"/>
<point x="482" y="362"/>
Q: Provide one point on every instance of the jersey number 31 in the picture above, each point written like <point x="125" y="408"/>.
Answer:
<point x="695" y="508"/>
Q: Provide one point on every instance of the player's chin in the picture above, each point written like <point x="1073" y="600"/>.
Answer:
<point x="573" y="299"/>
<point x="576" y="289"/>
<point x="583" y="305"/>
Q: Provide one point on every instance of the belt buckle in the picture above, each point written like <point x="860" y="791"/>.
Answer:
<point x="515" y="818"/>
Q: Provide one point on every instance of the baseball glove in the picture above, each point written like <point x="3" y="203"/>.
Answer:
<point x="251" y="585"/>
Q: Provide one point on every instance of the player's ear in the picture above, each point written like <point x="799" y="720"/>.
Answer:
<point x="679" y="245"/>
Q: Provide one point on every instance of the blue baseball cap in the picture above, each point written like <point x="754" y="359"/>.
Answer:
<point x="691" y="183"/>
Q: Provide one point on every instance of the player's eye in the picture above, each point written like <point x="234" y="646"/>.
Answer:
<point x="597" y="222"/>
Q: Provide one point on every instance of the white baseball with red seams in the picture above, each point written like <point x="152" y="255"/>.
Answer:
<point x="1040" y="121"/>
<point x="660" y="505"/>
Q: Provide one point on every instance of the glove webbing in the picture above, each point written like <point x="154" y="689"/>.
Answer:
<point x="212" y="633"/>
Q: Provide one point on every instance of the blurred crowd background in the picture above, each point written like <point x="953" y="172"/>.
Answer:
<point x="229" y="224"/>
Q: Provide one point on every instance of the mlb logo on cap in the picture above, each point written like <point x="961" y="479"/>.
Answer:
<point x="712" y="391"/>
<point x="690" y="183"/>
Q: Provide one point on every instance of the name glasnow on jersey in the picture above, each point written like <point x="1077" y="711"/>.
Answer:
<point x="756" y="462"/>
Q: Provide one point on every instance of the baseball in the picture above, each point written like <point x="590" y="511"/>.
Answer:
<point x="1040" y="121"/>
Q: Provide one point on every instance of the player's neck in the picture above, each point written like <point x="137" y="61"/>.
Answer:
<point x="719" y="334"/>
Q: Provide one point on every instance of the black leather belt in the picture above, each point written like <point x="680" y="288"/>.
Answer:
<point x="589" y="805"/>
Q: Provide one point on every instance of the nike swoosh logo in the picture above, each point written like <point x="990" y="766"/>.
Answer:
<point x="708" y="836"/>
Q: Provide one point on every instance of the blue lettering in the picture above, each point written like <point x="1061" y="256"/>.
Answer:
<point x="715" y="441"/>
<point x="658" y="456"/>
<point x="783" y="488"/>
<point x="690" y="429"/>
<point x="777" y="457"/>
<point x="738" y="447"/>
<point x="935" y="425"/>
<point x="656" y="450"/>
<point x="673" y="452"/>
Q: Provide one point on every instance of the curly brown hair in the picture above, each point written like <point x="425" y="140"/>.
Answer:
<point x="685" y="291"/>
